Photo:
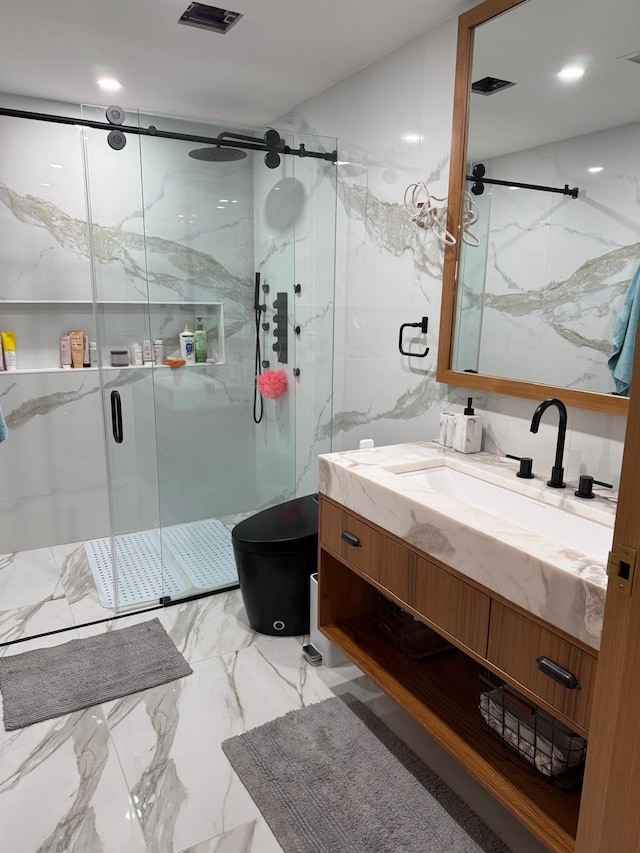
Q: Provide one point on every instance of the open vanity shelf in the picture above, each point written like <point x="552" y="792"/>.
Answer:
<point x="442" y="693"/>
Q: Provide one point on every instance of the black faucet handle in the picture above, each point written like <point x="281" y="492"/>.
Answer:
<point x="526" y="466"/>
<point x="586" y="484"/>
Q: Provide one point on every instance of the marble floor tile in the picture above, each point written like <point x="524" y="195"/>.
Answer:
<point x="252" y="837"/>
<point x="27" y="577"/>
<point x="209" y="626"/>
<point x="45" y="642"/>
<point x="51" y="613"/>
<point x="62" y="789"/>
<point x="169" y="739"/>
<point x="77" y="580"/>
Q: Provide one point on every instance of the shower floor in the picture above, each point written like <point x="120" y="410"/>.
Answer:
<point x="182" y="560"/>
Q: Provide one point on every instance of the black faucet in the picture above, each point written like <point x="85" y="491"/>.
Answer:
<point x="557" y="472"/>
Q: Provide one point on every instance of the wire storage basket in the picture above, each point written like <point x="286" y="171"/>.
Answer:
<point x="410" y="635"/>
<point x="549" y="748"/>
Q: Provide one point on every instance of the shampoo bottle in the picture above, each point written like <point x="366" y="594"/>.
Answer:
<point x="200" y="343"/>
<point x="186" y="345"/>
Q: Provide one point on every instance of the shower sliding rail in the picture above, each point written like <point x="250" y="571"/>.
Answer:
<point x="478" y="177"/>
<point x="229" y="141"/>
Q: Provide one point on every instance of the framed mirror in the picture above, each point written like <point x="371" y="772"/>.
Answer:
<point x="541" y="292"/>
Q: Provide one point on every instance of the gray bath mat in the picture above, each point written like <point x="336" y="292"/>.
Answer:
<point x="332" y="778"/>
<point x="46" y="683"/>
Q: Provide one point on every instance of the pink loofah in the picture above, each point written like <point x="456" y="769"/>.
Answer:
<point x="272" y="384"/>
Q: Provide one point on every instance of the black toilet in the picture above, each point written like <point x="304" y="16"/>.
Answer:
<point x="275" y="552"/>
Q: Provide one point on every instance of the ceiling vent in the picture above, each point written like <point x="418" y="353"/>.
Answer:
<point x="490" y="85"/>
<point x="209" y="17"/>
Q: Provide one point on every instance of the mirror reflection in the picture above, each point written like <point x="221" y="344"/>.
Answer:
<point x="549" y="283"/>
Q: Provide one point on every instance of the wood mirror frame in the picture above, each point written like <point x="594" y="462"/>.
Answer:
<point x="444" y="372"/>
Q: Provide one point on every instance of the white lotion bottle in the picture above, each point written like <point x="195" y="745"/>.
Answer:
<point x="187" y="351"/>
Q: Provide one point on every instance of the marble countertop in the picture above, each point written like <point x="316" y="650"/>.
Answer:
<point x="563" y="586"/>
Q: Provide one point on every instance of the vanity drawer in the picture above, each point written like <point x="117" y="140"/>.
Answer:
<point x="370" y="552"/>
<point x="451" y="604"/>
<point x="516" y="643"/>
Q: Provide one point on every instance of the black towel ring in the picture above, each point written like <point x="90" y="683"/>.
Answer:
<point x="423" y="325"/>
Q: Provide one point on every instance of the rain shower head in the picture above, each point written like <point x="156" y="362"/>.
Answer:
<point x="218" y="154"/>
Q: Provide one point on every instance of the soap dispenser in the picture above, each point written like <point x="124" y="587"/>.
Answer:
<point x="467" y="430"/>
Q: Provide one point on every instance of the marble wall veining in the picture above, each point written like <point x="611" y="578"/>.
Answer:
<point x="389" y="272"/>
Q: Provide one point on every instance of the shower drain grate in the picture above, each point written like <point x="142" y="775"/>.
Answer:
<point x="194" y="557"/>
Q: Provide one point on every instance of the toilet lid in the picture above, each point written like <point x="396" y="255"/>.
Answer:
<point x="287" y="527"/>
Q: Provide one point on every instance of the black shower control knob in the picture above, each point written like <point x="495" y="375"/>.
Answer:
<point x="276" y="347"/>
<point x="297" y="330"/>
<point x="279" y="333"/>
<point x="265" y="288"/>
<point x="297" y="288"/>
<point x="296" y="371"/>
<point x="265" y="363"/>
<point x="265" y="327"/>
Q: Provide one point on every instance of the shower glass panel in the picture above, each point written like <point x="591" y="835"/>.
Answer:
<point x="179" y="235"/>
<point x="215" y="464"/>
<point x="52" y="465"/>
<point x="127" y="566"/>
<point x="124" y="479"/>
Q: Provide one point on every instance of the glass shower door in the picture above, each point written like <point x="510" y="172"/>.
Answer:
<point x="201" y="264"/>
<point x="127" y="566"/>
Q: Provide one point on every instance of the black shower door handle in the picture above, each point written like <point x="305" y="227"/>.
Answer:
<point x="116" y="417"/>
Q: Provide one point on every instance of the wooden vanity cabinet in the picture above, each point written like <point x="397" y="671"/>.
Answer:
<point x="442" y="693"/>
<point x="515" y="645"/>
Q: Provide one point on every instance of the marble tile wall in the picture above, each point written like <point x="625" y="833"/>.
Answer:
<point x="388" y="272"/>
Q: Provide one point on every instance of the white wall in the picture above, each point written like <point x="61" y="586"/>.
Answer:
<point x="388" y="272"/>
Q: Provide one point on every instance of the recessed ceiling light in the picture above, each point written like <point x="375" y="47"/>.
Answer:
<point x="411" y="137"/>
<point x="43" y="184"/>
<point x="234" y="201"/>
<point x="221" y="207"/>
<point x="223" y="200"/>
<point x="55" y="165"/>
<point x="571" y="72"/>
<point x="594" y="169"/>
<point x="109" y="84"/>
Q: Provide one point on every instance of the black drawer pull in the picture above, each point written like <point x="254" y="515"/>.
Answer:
<point x="350" y="539"/>
<point x="557" y="673"/>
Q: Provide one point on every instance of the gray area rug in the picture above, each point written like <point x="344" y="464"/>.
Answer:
<point x="332" y="778"/>
<point x="47" y="683"/>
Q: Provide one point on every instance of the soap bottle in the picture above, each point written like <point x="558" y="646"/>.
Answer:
<point x="467" y="430"/>
<point x="186" y="345"/>
<point x="200" y="343"/>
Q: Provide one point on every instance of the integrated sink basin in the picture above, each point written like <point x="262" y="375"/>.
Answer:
<point x="551" y="522"/>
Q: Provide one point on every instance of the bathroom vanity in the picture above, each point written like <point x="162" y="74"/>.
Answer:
<point x="504" y="595"/>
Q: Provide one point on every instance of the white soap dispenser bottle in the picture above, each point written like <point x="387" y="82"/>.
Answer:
<point x="467" y="430"/>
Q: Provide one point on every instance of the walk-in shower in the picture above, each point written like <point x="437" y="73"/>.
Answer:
<point x="126" y="476"/>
